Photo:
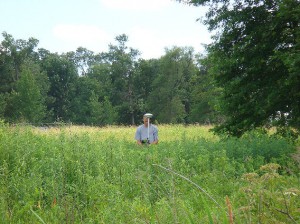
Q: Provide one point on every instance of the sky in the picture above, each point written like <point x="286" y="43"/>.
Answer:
<point x="64" y="25"/>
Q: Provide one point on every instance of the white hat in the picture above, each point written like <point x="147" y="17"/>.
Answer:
<point x="148" y="115"/>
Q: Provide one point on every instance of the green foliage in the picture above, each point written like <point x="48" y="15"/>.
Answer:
<point x="265" y="196"/>
<point x="28" y="102"/>
<point x="287" y="133"/>
<point x="83" y="59"/>
<point x="106" y="88"/>
<point x="255" y="60"/>
<point x="253" y="89"/>
<point x="62" y="77"/>
<point x="2" y="105"/>
<point x="122" y="64"/>
<point x="255" y="149"/>
<point x="83" y="105"/>
<point x="146" y="72"/>
<point x="204" y="94"/>
<point x="101" y="113"/>
<point x="13" y="55"/>
<point x="109" y="114"/>
<point x="91" y="177"/>
<point x="170" y="97"/>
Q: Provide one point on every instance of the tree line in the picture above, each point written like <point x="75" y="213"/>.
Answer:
<point x="248" y="78"/>
<point x="113" y="87"/>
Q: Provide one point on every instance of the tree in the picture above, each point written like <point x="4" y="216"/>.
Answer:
<point x="204" y="94"/>
<point x="18" y="51"/>
<point x="103" y="112"/>
<point x="122" y="61"/>
<point x="108" y="113"/>
<point x="12" y="57"/>
<point x="90" y="105"/>
<point x="18" y="58"/>
<point x="83" y="59"/>
<point x="256" y="61"/>
<point x="170" y="97"/>
<point x="3" y="103"/>
<point x="146" y="72"/>
<point x="28" y="101"/>
<point x="100" y="73"/>
<point x="62" y="76"/>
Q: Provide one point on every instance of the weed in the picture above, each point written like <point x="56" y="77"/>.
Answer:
<point x="72" y="174"/>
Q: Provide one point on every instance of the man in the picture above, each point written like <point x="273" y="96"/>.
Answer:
<point x="146" y="133"/>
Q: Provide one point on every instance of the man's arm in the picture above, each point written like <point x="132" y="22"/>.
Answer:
<point x="155" y="135"/>
<point x="138" y="136"/>
<point x="154" y="142"/>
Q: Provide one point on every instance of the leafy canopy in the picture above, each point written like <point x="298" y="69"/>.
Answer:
<point x="256" y="61"/>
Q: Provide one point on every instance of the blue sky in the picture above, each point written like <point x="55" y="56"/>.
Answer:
<point x="65" y="25"/>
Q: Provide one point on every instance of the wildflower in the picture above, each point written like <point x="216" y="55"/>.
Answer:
<point x="270" y="167"/>
<point x="250" y="177"/>
<point x="292" y="191"/>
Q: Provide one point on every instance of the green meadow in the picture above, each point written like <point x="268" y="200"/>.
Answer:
<point x="72" y="174"/>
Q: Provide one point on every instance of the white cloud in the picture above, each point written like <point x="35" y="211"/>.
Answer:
<point x="152" y="42"/>
<point x="79" y="33"/>
<point x="72" y="36"/>
<point x="136" y="4"/>
<point x="148" y="41"/>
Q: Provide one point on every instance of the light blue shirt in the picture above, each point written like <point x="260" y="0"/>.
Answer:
<point x="142" y="133"/>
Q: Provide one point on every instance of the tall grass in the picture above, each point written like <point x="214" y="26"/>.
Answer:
<point x="75" y="174"/>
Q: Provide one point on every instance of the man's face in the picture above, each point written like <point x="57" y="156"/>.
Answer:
<point x="145" y="119"/>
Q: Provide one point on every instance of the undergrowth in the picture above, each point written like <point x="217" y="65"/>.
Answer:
<point x="102" y="176"/>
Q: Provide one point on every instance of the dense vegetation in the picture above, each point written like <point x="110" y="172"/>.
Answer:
<point x="248" y="78"/>
<point x="255" y="60"/>
<point x="99" y="175"/>
<point x="114" y="87"/>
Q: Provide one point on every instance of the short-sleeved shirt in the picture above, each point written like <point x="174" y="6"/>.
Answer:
<point x="142" y="133"/>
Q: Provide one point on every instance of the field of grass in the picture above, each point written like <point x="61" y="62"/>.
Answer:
<point x="72" y="174"/>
